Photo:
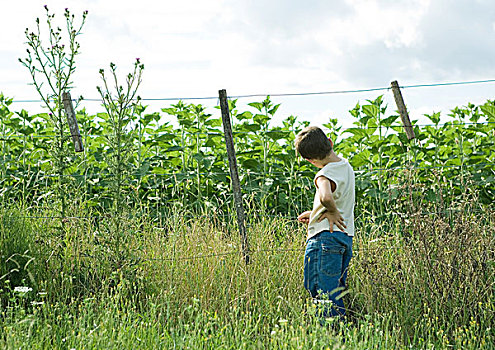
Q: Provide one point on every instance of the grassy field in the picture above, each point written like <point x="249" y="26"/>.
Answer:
<point x="131" y="244"/>
<point x="137" y="282"/>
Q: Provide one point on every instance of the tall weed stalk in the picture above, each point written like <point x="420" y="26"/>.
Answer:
<point x="120" y="103"/>
<point x="51" y="61"/>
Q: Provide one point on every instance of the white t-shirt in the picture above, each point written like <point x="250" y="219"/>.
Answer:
<point x="342" y="174"/>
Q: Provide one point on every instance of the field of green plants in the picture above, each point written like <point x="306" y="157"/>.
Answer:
<point x="133" y="243"/>
<point x="162" y="267"/>
<point x="179" y="156"/>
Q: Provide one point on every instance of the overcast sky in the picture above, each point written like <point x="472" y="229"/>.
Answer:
<point x="193" y="48"/>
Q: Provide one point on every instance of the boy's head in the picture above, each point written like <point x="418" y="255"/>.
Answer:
<point x="312" y="143"/>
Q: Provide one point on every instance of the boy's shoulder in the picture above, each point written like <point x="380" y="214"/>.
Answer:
<point x="341" y="169"/>
<point x="342" y="163"/>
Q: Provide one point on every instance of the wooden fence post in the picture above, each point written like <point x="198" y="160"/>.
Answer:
<point x="399" y="101"/>
<point x="72" y="121"/>
<point x="234" y="174"/>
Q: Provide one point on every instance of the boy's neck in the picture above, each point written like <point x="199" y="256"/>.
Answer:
<point x="330" y="158"/>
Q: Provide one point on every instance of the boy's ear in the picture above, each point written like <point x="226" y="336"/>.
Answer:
<point x="331" y="142"/>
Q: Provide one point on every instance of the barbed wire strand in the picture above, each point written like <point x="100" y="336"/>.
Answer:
<point x="215" y="216"/>
<point x="257" y="251"/>
<point x="252" y="252"/>
<point x="448" y="84"/>
<point x="286" y="94"/>
<point x="221" y="134"/>
<point x="193" y="173"/>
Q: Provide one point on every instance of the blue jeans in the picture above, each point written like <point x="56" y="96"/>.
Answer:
<point x="326" y="262"/>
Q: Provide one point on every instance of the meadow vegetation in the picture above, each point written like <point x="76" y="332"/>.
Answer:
<point x="422" y="273"/>
<point x="426" y="283"/>
<point x="133" y="243"/>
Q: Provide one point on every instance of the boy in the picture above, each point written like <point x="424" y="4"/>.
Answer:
<point x="330" y="223"/>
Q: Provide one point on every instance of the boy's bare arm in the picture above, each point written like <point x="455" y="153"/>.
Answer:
<point x="325" y="189"/>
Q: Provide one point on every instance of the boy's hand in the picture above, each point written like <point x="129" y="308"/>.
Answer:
<point x="304" y="217"/>
<point x="333" y="218"/>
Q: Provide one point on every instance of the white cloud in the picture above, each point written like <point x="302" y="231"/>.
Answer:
<point x="396" y="24"/>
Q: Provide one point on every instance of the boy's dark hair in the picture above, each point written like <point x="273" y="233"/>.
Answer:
<point x="312" y="143"/>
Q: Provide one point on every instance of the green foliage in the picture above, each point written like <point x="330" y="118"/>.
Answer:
<point x="177" y="157"/>
<point x="129" y="244"/>
<point x="186" y="284"/>
<point x="18" y="253"/>
<point x="423" y="225"/>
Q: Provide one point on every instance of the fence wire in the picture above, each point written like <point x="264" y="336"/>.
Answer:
<point x="255" y="252"/>
<point x="452" y="124"/>
<point x="351" y="91"/>
<point x="251" y="253"/>
<point x="193" y="173"/>
<point x="220" y="134"/>
<point x="216" y="216"/>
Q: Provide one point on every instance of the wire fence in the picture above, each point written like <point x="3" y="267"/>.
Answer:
<point x="451" y="124"/>
<point x="351" y="91"/>
<point x="254" y="251"/>
<point x="192" y="173"/>
<point x="216" y="216"/>
<point x="299" y="251"/>
<point x="396" y="127"/>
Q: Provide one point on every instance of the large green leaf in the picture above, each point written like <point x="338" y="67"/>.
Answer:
<point x="489" y="110"/>
<point x="257" y="105"/>
<point x="371" y="110"/>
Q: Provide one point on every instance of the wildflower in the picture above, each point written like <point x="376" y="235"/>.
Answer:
<point x="22" y="289"/>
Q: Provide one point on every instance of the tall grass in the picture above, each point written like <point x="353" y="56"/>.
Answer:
<point x="425" y="281"/>
<point x="148" y="257"/>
